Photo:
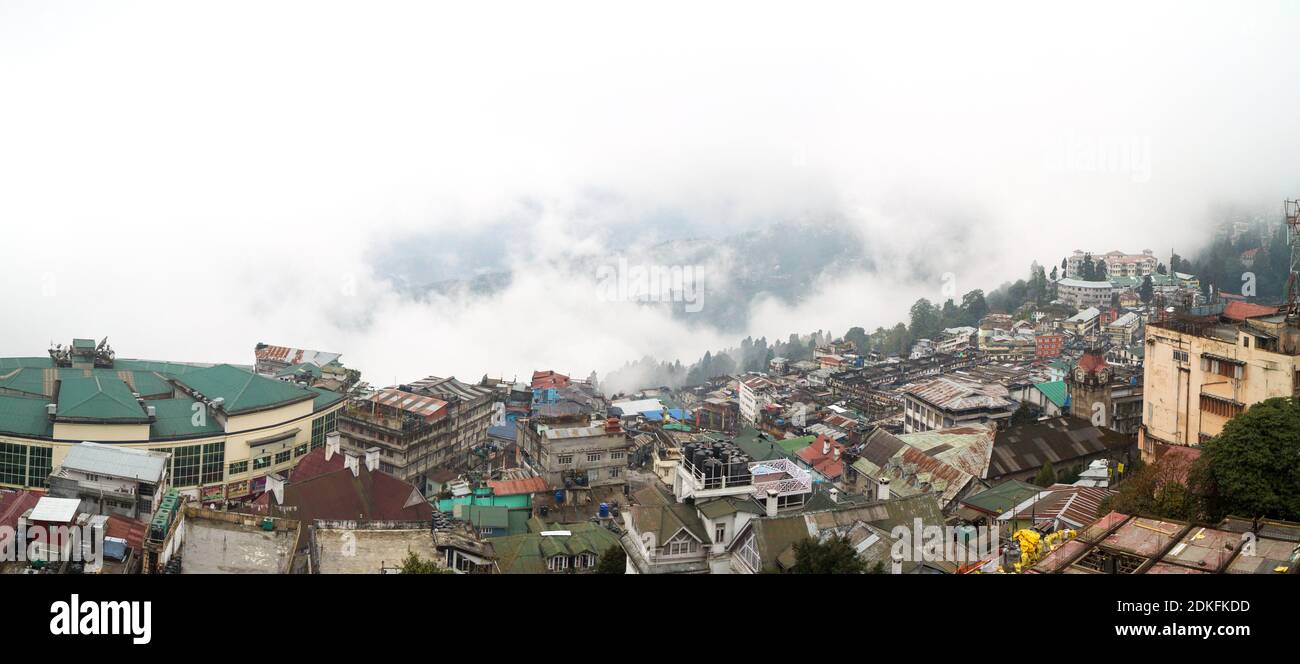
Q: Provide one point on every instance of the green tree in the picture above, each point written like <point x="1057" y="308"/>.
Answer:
<point x="1252" y="468"/>
<point x="1046" y="475"/>
<point x="612" y="561"/>
<point x="415" y="565"/>
<point x="1146" y="291"/>
<point x="973" y="307"/>
<point x="835" y="556"/>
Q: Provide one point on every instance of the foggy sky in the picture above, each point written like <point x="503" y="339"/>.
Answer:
<point x="191" y="180"/>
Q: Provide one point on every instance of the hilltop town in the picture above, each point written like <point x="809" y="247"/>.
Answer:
<point x="1047" y="438"/>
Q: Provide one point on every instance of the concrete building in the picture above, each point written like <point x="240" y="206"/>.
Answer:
<point x="1109" y="396"/>
<point x="112" y="480"/>
<point x="1118" y="263"/>
<point x="1201" y="372"/>
<point x="1083" y="323"/>
<point x="1082" y="294"/>
<point x="1124" y="329"/>
<point x="225" y="427"/>
<point x="581" y="457"/>
<point x="755" y="392"/>
<point x="410" y="433"/>
<point x="946" y="402"/>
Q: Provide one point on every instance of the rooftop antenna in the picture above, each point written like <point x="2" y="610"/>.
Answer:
<point x="1292" y="210"/>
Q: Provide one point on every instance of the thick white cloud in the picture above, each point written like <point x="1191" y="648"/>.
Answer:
<point x="192" y="180"/>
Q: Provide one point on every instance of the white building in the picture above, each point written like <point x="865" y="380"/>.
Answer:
<point x="755" y="393"/>
<point x="1083" y="294"/>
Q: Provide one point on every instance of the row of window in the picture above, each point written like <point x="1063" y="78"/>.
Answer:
<point x="1220" y="407"/>
<point x="580" y="561"/>
<point x="566" y="459"/>
<point x="25" y="465"/>
<point x="191" y="465"/>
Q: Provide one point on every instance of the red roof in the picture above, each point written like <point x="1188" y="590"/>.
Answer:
<point x="1237" y="310"/>
<point x="339" y="495"/>
<point x="123" y="528"/>
<point x="549" y="379"/>
<point x="1092" y="361"/>
<point x="14" y="503"/>
<point x="516" y="487"/>
<point x="826" y="464"/>
<point x="314" y="465"/>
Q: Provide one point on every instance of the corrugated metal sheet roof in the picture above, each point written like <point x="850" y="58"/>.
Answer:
<point x="426" y="407"/>
<point x="116" y="462"/>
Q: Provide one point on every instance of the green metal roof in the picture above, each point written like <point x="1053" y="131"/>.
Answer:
<point x="30" y="382"/>
<point x="175" y="419"/>
<point x="99" y="398"/>
<point x="83" y="343"/>
<point x="1002" y="497"/>
<point x="25" y="363"/>
<point x="1054" y="391"/>
<point x="22" y="416"/>
<point x="793" y="445"/>
<point x="324" y="399"/>
<point x="244" y="391"/>
<point x="529" y="553"/>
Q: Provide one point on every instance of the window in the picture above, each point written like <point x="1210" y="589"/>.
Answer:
<point x="615" y="472"/>
<point x="485" y="532"/>
<point x="558" y="563"/>
<point x="318" y="432"/>
<point x="238" y="467"/>
<point x="1223" y="367"/>
<point x="1219" y="406"/>
<point x="13" y="464"/>
<point x="681" y="545"/>
<point x="593" y="456"/>
<point x="564" y="459"/>
<point x="186" y="465"/>
<point x="300" y="450"/>
<point x="748" y="553"/>
<point x="214" y="459"/>
<point x="39" y="465"/>
<point x="586" y="560"/>
<point x="615" y="456"/>
<point x="283" y="457"/>
<point x="1180" y="356"/>
<point x="261" y="462"/>
<point x="720" y="533"/>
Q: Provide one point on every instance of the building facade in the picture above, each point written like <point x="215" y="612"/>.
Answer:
<point x="225" y="427"/>
<point x="1200" y="373"/>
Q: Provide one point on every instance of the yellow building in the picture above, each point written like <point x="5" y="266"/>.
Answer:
<point x="226" y="427"/>
<point x="1200" y="372"/>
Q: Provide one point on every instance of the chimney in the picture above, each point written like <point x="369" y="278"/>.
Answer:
<point x="826" y="446"/>
<point x="882" y="489"/>
<point x="351" y="462"/>
<point x="275" y="485"/>
<point x="372" y="459"/>
<point x="771" y="502"/>
<point x="332" y="440"/>
<point x="837" y="454"/>
<point x="835" y="495"/>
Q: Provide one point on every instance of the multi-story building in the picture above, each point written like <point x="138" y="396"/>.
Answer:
<point x="946" y="402"/>
<point x="472" y="410"/>
<point x="1124" y="329"/>
<point x="1047" y="346"/>
<point x="1083" y="323"/>
<point x="577" y="457"/>
<point x="1118" y="263"/>
<point x="1082" y="294"/>
<point x="410" y="432"/>
<point x="755" y="393"/>
<point x="112" y="480"/>
<point x="1201" y="372"/>
<point x="1107" y="396"/>
<point x="225" y="427"/>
